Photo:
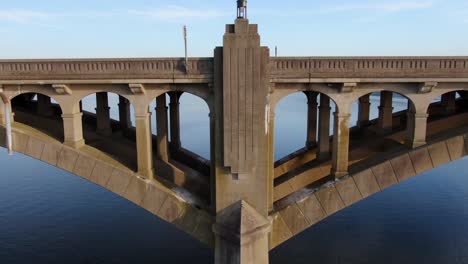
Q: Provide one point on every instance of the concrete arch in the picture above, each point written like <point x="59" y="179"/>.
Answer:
<point x="333" y="196"/>
<point x="280" y="94"/>
<point x="439" y="92"/>
<point x="166" y="201"/>
<point x="82" y="95"/>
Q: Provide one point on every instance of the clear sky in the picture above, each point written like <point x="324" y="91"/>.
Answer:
<point x="153" y="28"/>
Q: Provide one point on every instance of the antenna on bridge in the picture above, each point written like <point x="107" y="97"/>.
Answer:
<point x="241" y="8"/>
<point x="185" y="44"/>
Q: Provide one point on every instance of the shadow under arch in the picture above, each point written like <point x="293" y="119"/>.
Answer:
<point x="108" y="126"/>
<point x="379" y="124"/>
<point x="449" y="111"/>
<point x="39" y="111"/>
<point x="303" y="137"/>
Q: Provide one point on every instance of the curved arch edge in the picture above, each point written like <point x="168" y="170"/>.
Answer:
<point x="312" y="206"/>
<point x="155" y="197"/>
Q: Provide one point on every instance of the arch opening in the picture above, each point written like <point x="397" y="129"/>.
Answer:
<point x="379" y="123"/>
<point x="40" y="112"/>
<point x="108" y="125"/>
<point x="303" y="141"/>
<point x="182" y="141"/>
<point x="447" y="112"/>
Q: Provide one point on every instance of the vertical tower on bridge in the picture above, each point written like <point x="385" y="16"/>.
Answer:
<point x="242" y="160"/>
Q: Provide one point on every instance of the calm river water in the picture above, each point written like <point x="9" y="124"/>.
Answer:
<point x="50" y="216"/>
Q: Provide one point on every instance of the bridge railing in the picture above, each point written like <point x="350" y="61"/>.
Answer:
<point x="82" y="69"/>
<point x="369" y="67"/>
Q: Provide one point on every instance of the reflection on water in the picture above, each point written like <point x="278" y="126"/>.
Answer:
<point x="50" y="216"/>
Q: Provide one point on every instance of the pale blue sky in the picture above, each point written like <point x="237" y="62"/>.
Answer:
<point x="144" y="28"/>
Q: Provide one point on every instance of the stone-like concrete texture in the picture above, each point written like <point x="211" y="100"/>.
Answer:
<point x="335" y="196"/>
<point x="150" y="195"/>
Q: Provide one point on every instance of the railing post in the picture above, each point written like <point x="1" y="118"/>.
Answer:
<point x="103" y="114"/>
<point x="323" y="151"/>
<point x="73" y="128"/>
<point x="144" y="144"/>
<point x="161" y="125"/>
<point x="340" y="154"/>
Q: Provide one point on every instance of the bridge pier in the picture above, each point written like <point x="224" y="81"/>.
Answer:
<point x="44" y="105"/>
<point x="124" y="113"/>
<point x="363" y="111"/>
<point x="103" y="121"/>
<point x="416" y="128"/>
<point x="311" y="118"/>
<point x="323" y="151"/>
<point x="340" y="154"/>
<point x="175" y="120"/>
<point x="448" y="102"/>
<point x="241" y="235"/>
<point x="385" y="113"/>
<point x="73" y="127"/>
<point x="161" y="127"/>
<point x="144" y="143"/>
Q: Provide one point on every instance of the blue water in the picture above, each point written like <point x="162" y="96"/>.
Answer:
<point x="51" y="216"/>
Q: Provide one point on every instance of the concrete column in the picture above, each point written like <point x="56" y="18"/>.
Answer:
<point x="416" y="129"/>
<point x="44" y="105"/>
<point x="161" y="125"/>
<point x="144" y="144"/>
<point x="323" y="151"/>
<point x="241" y="235"/>
<point x="311" y="118"/>
<point x="2" y="113"/>
<point x="124" y="113"/>
<point x="385" y="112"/>
<point x="364" y="111"/>
<point x="340" y="153"/>
<point x="102" y="114"/>
<point x="271" y="159"/>
<point x="81" y="106"/>
<point x="212" y="117"/>
<point x="72" y="128"/>
<point x="449" y="103"/>
<point x="175" y="120"/>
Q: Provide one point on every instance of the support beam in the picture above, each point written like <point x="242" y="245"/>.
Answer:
<point x="144" y="144"/>
<point x="44" y="105"/>
<point x="363" y="111"/>
<point x="175" y="120"/>
<point x="161" y="125"/>
<point x="241" y="235"/>
<point x="385" y="113"/>
<point x="323" y="151"/>
<point x="340" y="153"/>
<point x="73" y="128"/>
<point x="124" y="113"/>
<point x="311" y="119"/>
<point x="416" y="128"/>
<point x="103" y="114"/>
<point x="448" y="102"/>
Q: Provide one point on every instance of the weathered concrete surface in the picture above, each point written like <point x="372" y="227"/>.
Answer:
<point x="335" y="196"/>
<point x="150" y="195"/>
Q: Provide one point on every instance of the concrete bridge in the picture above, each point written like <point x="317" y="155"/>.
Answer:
<point x="241" y="202"/>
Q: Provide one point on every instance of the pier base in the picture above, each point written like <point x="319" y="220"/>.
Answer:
<point x="241" y="235"/>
